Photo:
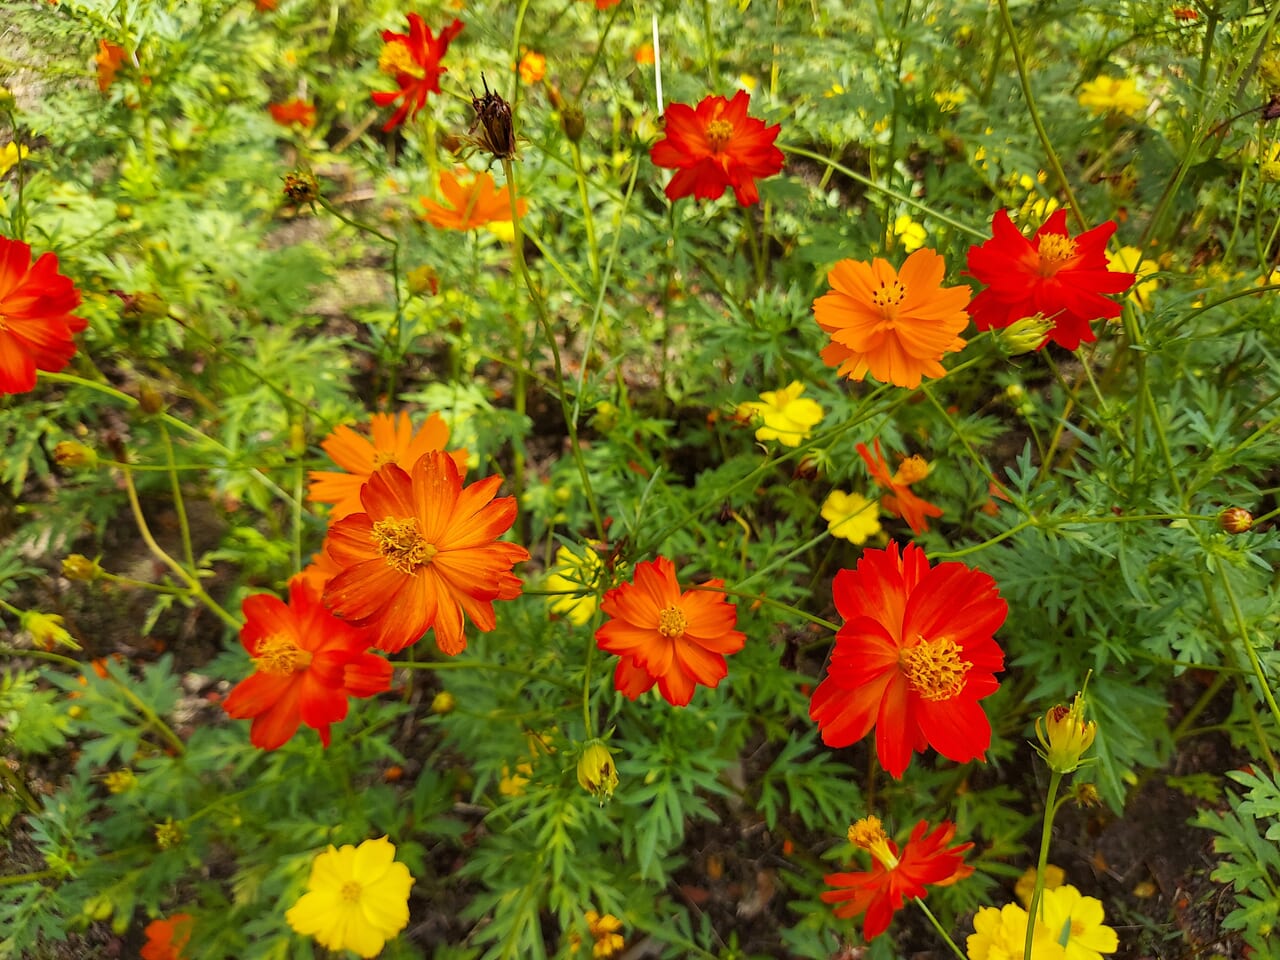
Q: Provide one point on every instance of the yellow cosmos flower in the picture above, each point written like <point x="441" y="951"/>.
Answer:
<point x="1001" y="934"/>
<point x="851" y="516"/>
<point x="911" y="234"/>
<point x="1106" y="95"/>
<point x="357" y="898"/>
<point x="786" y="416"/>
<point x="574" y="577"/>
<point x="1026" y="885"/>
<point x="1076" y="922"/>
<point x="1130" y="260"/>
<point x="10" y="154"/>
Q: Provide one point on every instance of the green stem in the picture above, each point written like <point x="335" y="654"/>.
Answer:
<point x="1052" y="155"/>
<point x="481" y="665"/>
<point x="517" y="246"/>
<point x="938" y="926"/>
<point x="1243" y="629"/>
<point x="1050" y="810"/>
<point x="13" y="779"/>
<point x="194" y="585"/>
<point x="588" y="222"/>
<point x="902" y="198"/>
<point x="586" y="689"/>
<point x="179" y="506"/>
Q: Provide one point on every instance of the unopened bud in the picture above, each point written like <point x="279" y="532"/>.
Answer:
<point x="1024" y="336"/>
<point x="423" y="281"/>
<point x="1235" y="520"/>
<point x="168" y="834"/>
<point x="443" y="702"/>
<point x="120" y="781"/>
<point x="79" y="567"/>
<point x="1066" y="735"/>
<point x="47" y="631"/>
<point x="150" y="400"/>
<point x="301" y="188"/>
<point x="597" y="773"/>
<point x="72" y="453"/>
<point x="6" y="98"/>
<point x="1086" y="795"/>
<point x="573" y="122"/>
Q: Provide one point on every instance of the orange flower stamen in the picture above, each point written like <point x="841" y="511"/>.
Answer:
<point x="672" y="622"/>
<point x="401" y="545"/>
<point x="719" y="132"/>
<point x="351" y="892"/>
<point x="281" y="655"/>
<point x="868" y="834"/>
<point x="912" y="470"/>
<point x="887" y="297"/>
<point x="934" y="669"/>
<point x="1056" y="249"/>
<point x="396" y="58"/>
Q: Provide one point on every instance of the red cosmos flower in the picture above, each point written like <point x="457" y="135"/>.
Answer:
<point x="167" y="937"/>
<point x="36" y="322"/>
<point x="308" y="662"/>
<point x="900" y="501"/>
<point x="424" y="552"/>
<point x="393" y="440"/>
<point x="293" y="111"/>
<point x="414" y="60"/>
<point x="676" y="640"/>
<point x="895" y="875"/>
<point x="1053" y="274"/>
<point x="716" y="145"/>
<point x="913" y="659"/>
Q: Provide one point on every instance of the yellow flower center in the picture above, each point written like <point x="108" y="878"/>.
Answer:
<point x="888" y="297"/>
<point x="1055" y="250"/>
<point x="401" y="545"/>
<point x="396" y="59"/>
<point x="382" y="457"/>
<point x="719" y="132"/>
<point x="868" y="834"/>
<point x="672" y="622"/>
<point x="350" y="891"/>
<point x="912" y="469"/>
<point x="934" y="669"/>
<point x="281" y="655"/>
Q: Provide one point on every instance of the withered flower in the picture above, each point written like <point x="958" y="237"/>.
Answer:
<point x="491" y="129"/>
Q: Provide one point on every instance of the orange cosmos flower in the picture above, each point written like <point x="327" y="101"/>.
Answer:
<point x="716" y="145"/>
<point x="895" y="326"/>
<point x="393" y="441"/>
<point x="895" y="875"/>
<point x="264" y="6"/>
<point x="475" y="203"/>
<point x="293" y="111"/>
<point x="414" y="60"/>
<point x="36" y="322"/>
<point x="606" y="4"/>
<point x="1061" y="277"/>
<point x="676" y="640"/>
<point x="913" y="659"/>
<point x="167" y="937"/>
<point x="308" y="662"/>
<point x="424" y="552"/>
<point x="108" y="58"/>
<point x="532" y="67"/>
<point x="900" y="501"/>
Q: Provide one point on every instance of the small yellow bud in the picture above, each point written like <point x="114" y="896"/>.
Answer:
<point x="120" y="781"/>
<point x="597" y="773"/>
<point x="423" y="281"/>
<point x="1066" y="735"/>
<point x="606" y="417"/>
<point x="443" y="702"/>
<point x="168" y="834"/>
<point x="79" y="567"/>
<point x="1086" y="795"/>
<point x="72" y="453"/>
<point x="6" y="98"/>
<point x="1024" y="336"/>
<point x="47" y="631"/>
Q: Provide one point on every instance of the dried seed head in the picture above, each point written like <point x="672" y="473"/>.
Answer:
<point x="491" y="130"/>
